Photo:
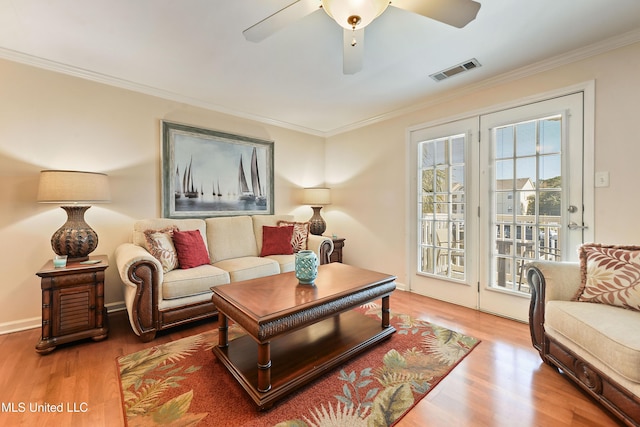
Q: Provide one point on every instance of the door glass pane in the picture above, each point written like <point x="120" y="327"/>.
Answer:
<point x="550" y="135"/>
<point x="550" y="170"/>
<point x="427" y="180"/>
<point x="526" y="139"/>
<point x="441" y="151"/>
<point x="527" y="194"/>
<point x="525" y="170"/>
<point x="457" y="151"/>
<point x="457" y="176"/>
<point x="442" y="207"/>
<point x="504" y="169"/>
<point x="504" y="142"/>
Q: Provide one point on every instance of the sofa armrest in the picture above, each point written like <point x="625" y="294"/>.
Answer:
<point x="549" y="281"/>
<point x="127" y="255"/>
<point x="142" y="275"/>
<point x="322" y="246"/>
<point x="561" y="279"/>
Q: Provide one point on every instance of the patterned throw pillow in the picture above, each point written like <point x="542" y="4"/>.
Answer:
<point x="300" y="234"/>
<point x="159" y="243"/>
<point x="610" y="275"/>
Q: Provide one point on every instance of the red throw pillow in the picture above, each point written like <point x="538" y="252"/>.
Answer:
<point x="276" y="240"/>
<point x="190" y="248"/>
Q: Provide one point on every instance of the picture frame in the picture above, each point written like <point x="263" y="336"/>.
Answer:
<point x="208" y="173"/>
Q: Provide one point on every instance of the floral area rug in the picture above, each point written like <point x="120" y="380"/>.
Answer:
<point x="182" y="383"/>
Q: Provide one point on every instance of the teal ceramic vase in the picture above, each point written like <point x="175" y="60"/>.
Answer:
<point x="306" y="267"/>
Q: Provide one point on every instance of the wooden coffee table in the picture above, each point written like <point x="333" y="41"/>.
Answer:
<point x="295" y="333"/>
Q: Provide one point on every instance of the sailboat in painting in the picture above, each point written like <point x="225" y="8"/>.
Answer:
<point x="177" y="184"/>
<point x="261" y="199"/>
<point x="189" y="190"/>
<point x="243" y="187"/>
<point x="219" y="194"/>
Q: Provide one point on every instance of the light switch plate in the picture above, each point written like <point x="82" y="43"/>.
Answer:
<point x="602" y="179"/>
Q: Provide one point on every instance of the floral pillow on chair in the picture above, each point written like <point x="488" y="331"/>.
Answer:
<point x="610" y="275"/>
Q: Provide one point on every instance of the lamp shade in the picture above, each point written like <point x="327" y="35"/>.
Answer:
<point x="73" y="187"/>
<point x="316" y="196"/>
<point x="343" y="11"/>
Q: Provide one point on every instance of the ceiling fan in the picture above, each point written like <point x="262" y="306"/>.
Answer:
<point x="354" y="15"/>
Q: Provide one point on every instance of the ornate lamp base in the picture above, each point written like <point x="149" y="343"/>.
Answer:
<point x="317" y="224"/>
<point x="75" y="238"/>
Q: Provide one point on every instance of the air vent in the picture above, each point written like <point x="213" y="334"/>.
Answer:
<point x="456" y="69"/>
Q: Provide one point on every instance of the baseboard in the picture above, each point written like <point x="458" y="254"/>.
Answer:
<point x="20" y="325"/>
<point x="401" y="286"/>
<point x="36" y="322"/>
<point x="113" y="307"/>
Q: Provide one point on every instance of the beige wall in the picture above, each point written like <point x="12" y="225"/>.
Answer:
<point x="48" y="120"/>
<point x="53" y="121"/>
<point x="367" y="168"/>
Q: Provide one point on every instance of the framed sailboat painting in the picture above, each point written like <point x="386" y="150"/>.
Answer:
<point x="207" y="173"/>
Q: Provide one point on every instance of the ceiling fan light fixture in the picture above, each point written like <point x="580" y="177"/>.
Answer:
<point x="354" y="14"/>
<point x="354" y="20"/>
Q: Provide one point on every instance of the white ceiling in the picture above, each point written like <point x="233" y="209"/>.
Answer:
<point x="194" y="51"/>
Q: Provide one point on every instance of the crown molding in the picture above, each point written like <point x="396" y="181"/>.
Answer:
<point x="93" y="76"/>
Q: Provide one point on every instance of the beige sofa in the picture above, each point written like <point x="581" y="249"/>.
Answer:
<point x="595" y="345"/>
<point x="157" y="300"/>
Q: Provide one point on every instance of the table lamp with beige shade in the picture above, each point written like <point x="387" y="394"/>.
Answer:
<point x="75" y="191"/>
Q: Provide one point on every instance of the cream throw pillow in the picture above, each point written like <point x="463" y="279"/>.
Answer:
<point x="159" y="243"/>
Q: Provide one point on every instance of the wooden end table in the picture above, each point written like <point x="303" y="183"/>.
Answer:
<point x="72" y="303"/>
<point x="338" y="244"/>
<point x="295" y="333"/>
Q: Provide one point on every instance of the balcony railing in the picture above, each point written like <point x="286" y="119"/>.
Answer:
<point x="517" y="244"/>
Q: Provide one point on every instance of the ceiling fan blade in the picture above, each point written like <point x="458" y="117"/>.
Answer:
<point x="457" y="13"/>
<point x="352" y="54"/>
<point x="285" y="16"/>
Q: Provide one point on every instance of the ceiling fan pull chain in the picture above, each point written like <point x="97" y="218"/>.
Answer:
<point x="354" y="20"/>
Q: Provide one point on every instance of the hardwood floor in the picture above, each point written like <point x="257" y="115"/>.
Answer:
<point x="501" y="383"/>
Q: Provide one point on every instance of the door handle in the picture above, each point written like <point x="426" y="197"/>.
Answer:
<point x="573" y="226"/>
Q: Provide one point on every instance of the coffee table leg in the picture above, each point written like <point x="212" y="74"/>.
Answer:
<point x="264" y="367"/>
<point x="223" y="330"/>
<point x="385" y="312"/>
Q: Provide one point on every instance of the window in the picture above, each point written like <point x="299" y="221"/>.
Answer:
<point x="442" y="207"/>
<point x="527" y="164"/>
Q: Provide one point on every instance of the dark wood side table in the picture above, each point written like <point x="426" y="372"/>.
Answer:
<point x="72" y="303"/>
<point x="338" y="244"/>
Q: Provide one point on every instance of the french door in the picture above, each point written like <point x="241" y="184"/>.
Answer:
<point x="494" y="192"/>
<point x="443" y="264"/>
<point x="532" y="205"/>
